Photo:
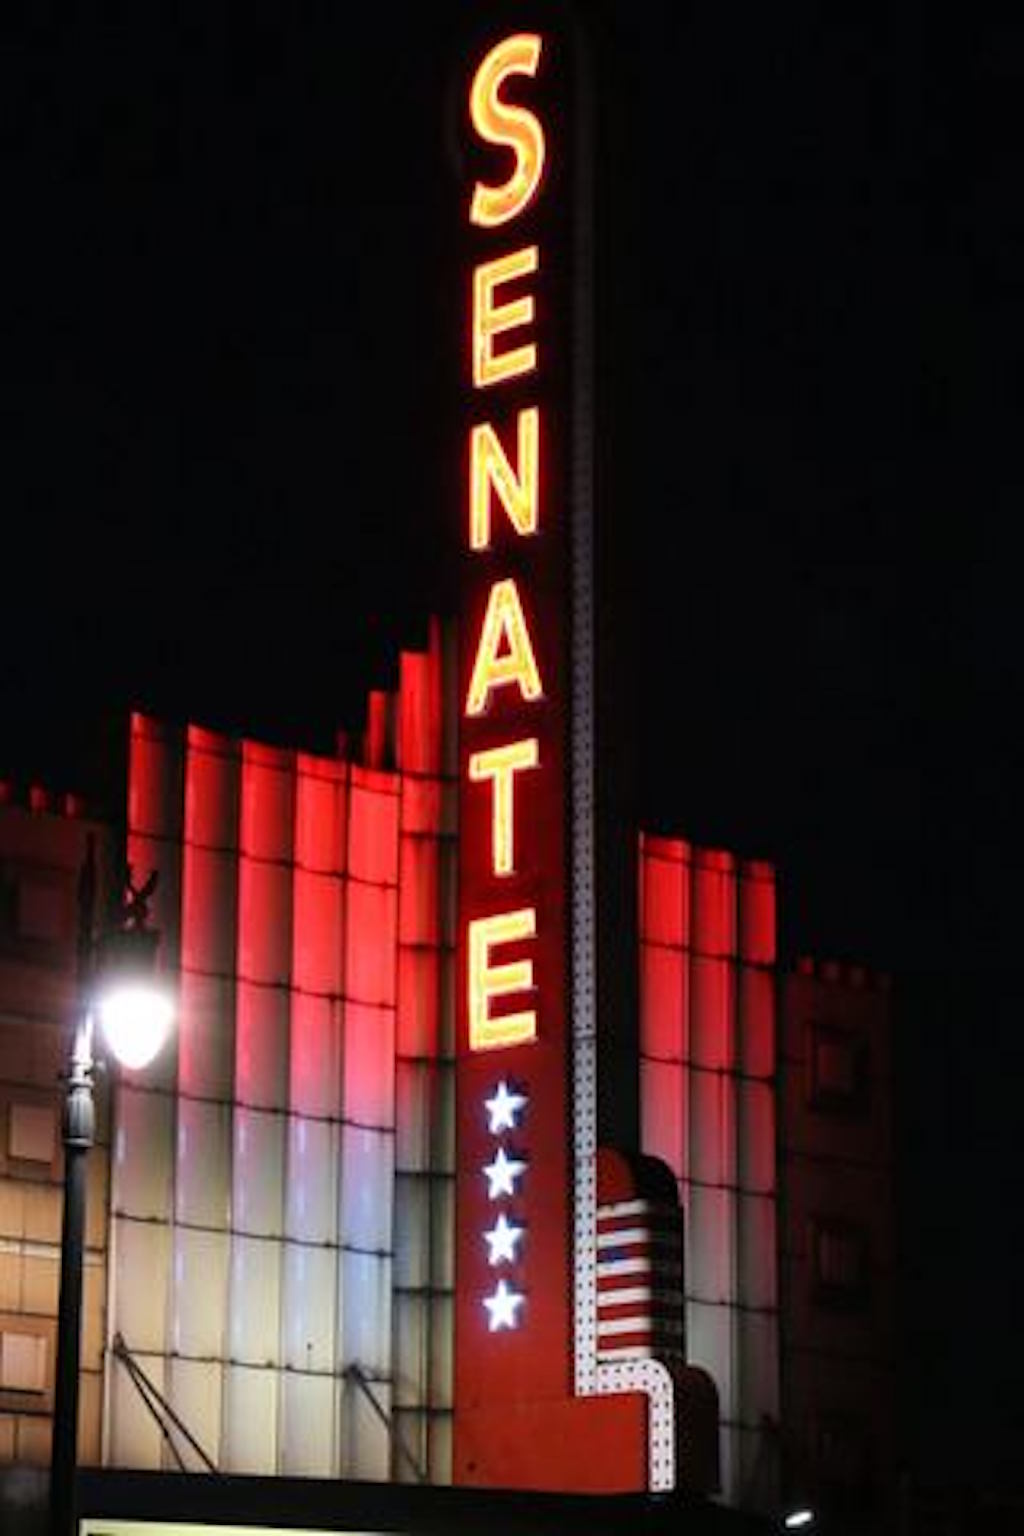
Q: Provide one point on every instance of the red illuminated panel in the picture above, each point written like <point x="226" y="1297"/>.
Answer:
<point x="321" y="814"/>
<point x="665" y="890"/>
<point x="316" y="947"/>
<point x="315" y="1055"/>
<point x="369" y="1064"/>
<point x="714" y="902"/>
<point x="418" y="1003"/>
<point x="264" y="922"/>
<point x="370" y="938"/>
<point x="665" y="990"/>
<point x="420" y="710"/>
<point x="418" y="915"/>
<point x="757" y="913"/>
<point x="377" y="741"/>
<point x="373" y="827"/>
<point x="268" y="802"/>
<point x="261" y="1045"/>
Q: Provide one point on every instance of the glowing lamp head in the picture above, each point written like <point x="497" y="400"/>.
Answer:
<point x="799" y="1520"/>
<point x="135" y="1017"/>
<point x="134" y="1011"/>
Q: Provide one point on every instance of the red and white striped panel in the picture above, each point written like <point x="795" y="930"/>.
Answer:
<point x="639" y="1281"/>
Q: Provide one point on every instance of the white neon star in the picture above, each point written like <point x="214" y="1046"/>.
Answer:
<point x="503" y="1109"/>
<point x="502" y="1175"/>
<point x="501" y="1307"/>
<point x="501" y="1241"/>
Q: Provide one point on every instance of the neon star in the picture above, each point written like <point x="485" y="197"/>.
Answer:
<point x="503" y="1108"/>
<point x="502" y="1175"/>
<point x="501" y="1241"/>
<point x="501" y="1307"/>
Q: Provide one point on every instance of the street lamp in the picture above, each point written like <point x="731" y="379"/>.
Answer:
<point x="116" y="989"/>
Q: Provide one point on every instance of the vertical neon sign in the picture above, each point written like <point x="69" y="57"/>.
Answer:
<point x="532" y="1406"/>
<point x="514" y="1308"/>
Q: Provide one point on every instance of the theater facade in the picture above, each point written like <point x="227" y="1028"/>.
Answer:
<point x="367" y="1219"/>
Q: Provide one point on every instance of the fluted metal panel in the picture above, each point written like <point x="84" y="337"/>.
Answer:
<point x="365" y="1335"/>
<point x="133" y="1435"/>
<point x="756" y="1126"/>
<point x="412" y="1336"/>
<point x="664" y="990"/>
<point x="254" y="1312"/>
<point x="249" y="1432"/>
<point x="414" y="1107"/>
<point x="197" y="1396"/>
<point x="710" y="1258"/>
<point x="367" y="1184"/>
<point x="370" y="935"/>
<point x="307" y="1425"/>
<point x="308" y="1314"/>
<point x="143" y="1153"/>
<point x="316" y="965"/>
<point x="206" y="1025"/>
<point x="311" y="1186"/>
<point x="712" y="1130"/>
<point x="200" y="1293"/>
<point x="258" y="1168"/>
<point x="756" y="1022"/>
<point x="142" y="1270"/>
<point x="661" y="1098"/>
<point x="365" y="1444"/>
<point x="756" y="1251"/>
<point x="202" y="1192"/>
<point x="412" y="1232"/>
<point x="711" y="1013"/>
<point x="442" y="1234"/>
<point x="265" y="922"/>
<point x="442" y="1393"/>
<point x="710" y="1344"/>
<point x="758" y="1366"/>
<point x="261" y="1045"/>
<point x="316" y="1053"/>
<point x="418" y="1003"/>
<point x="369" y="1065"/>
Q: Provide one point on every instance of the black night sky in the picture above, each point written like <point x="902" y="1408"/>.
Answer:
<point x="229" y="315"/>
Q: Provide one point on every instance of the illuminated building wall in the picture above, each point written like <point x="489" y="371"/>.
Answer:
<point x="282" y="1179"/>
<point x="279" y="1199"/>
<point x="836" y="1236"/>
<point x="43" y="845"/>
<point x="708" y="1109"/>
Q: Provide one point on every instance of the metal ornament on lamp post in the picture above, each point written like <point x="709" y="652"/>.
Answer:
<point x="115" y="986"/>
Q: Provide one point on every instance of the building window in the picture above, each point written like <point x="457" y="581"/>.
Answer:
<point x="838" y="1063"/>
<point x="26" y="1360"/>
<point x="37" y="912"/>
<point x="29" y="1143"/>
<point x="31" y="1134"/>
<point x="839" y="1263"/>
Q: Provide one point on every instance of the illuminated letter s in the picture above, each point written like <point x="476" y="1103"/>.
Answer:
<point x="499" y="123"/>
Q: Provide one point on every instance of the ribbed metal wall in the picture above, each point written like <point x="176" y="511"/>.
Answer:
<point x="707" y="1011"/>
<point x="282" y="1181"/>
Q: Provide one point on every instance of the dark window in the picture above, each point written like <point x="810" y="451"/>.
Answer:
<point x="37" y="913"/>
<point x="839" y="1263"/>
<point x="838" y="1065"/>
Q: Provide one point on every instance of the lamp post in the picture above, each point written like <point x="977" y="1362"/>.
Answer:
<point x="116" y="989"/>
